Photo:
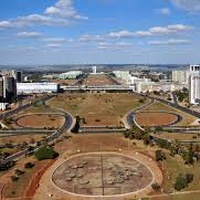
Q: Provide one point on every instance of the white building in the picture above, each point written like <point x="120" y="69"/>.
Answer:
<point x="194" y="84"/>
<point x="123" y="75"/>
<point x="27" y="88"/>
<point x="94" y="70"/>
<point x="68" y="75"/>
<point x="179" y="76"/>
<point x="154" y="86"/>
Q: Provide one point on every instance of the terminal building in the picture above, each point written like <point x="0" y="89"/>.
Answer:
<point x="28" y="88"/>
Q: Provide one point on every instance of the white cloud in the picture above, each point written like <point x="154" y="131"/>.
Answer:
<point x="113" y="46"/>
<point x="54" y="45"/>
<point x="90" y="38"/>
<point x="64" y="9"/>
<point x="165" y="11"/>
<point x="121" y="34"/>
<point x="190" y="5"/>
<point x="62" y="13"/>
<point x="170" y="42"/>
<point x="29" y="34"/>
<point x="158" y="30"/>
<point x="4" y="24"/>
<point x="55" y="40"/>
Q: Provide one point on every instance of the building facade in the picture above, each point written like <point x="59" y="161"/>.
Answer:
<point x="194" y="84"/>
<point x="179" y="76"/>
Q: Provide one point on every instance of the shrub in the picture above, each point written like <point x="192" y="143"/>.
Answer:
<point x="14" y="178"/>
<point x="189" y="177"/>
<point x="155" y="186"/>
<point x="29" y="165"/>
<point x="46" y="152"/>
<point x="160" y="155"/>
<point x="19" y="172"/>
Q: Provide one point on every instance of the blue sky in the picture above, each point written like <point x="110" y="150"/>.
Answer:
<point x="99" y="31"/>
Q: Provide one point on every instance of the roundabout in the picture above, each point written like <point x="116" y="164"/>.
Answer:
<point x="157" y="118"/>
<point x="104" y="174"/>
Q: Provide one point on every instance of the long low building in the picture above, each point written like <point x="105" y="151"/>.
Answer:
<point x="27" y="88"/>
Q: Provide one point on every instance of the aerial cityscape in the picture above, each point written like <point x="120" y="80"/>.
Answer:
<point x="99" y="99"/>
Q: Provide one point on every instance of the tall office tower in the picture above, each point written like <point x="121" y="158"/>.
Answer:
<point x="9" y="88"/>
<point x="94" y="69"/>
<point x="194" y="84"/>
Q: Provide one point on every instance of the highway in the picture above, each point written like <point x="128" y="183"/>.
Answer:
<point x="23" y="107"/>
<point x="186" y="110"/>
<point x="66" y="126"/>
<point x="130" y="115"/>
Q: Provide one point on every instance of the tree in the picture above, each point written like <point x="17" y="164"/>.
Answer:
<point x="46" y="152"/>
<point x="163" y="143"/>
<point x="160" y="155"/>
<point x="180" y="183"/>
<point x="158" y="129"/>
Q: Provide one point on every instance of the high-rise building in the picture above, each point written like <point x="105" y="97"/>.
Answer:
<point x="9" y="87"/>
<point x="179" y="76"/>
<point x="194" y="84"/>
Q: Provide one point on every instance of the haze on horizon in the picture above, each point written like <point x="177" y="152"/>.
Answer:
<point x="99" y="31"/>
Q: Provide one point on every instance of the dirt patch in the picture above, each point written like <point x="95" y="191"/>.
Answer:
<point x="155" y="119"/>
<point x="97" y="80"/>
<point x="41" y="121"/>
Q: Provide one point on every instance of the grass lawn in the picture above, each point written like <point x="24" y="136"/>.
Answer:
<point x="100" y="79"/>
<point x="157" y="106"/>
<point x="192" y="196"/>
<point x="21" y="138"/>
<point x="97" y="108"/>
<point x="180" y="136"/>
<point x="16" y="188"/>
<point x="174" y="166"/>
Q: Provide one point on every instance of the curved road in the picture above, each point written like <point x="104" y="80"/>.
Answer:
<point x="66" y="126"/>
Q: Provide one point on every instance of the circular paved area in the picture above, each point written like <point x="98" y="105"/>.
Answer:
<point x="102" y="174"/>
<point x="156" y="118"/>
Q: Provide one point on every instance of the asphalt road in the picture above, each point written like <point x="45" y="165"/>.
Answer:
<point x="67" y="124"/>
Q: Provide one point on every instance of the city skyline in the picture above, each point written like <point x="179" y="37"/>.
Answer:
<point x="100" y="31"/>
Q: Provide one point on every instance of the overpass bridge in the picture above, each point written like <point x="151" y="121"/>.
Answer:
<point x="98" y="88"/>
